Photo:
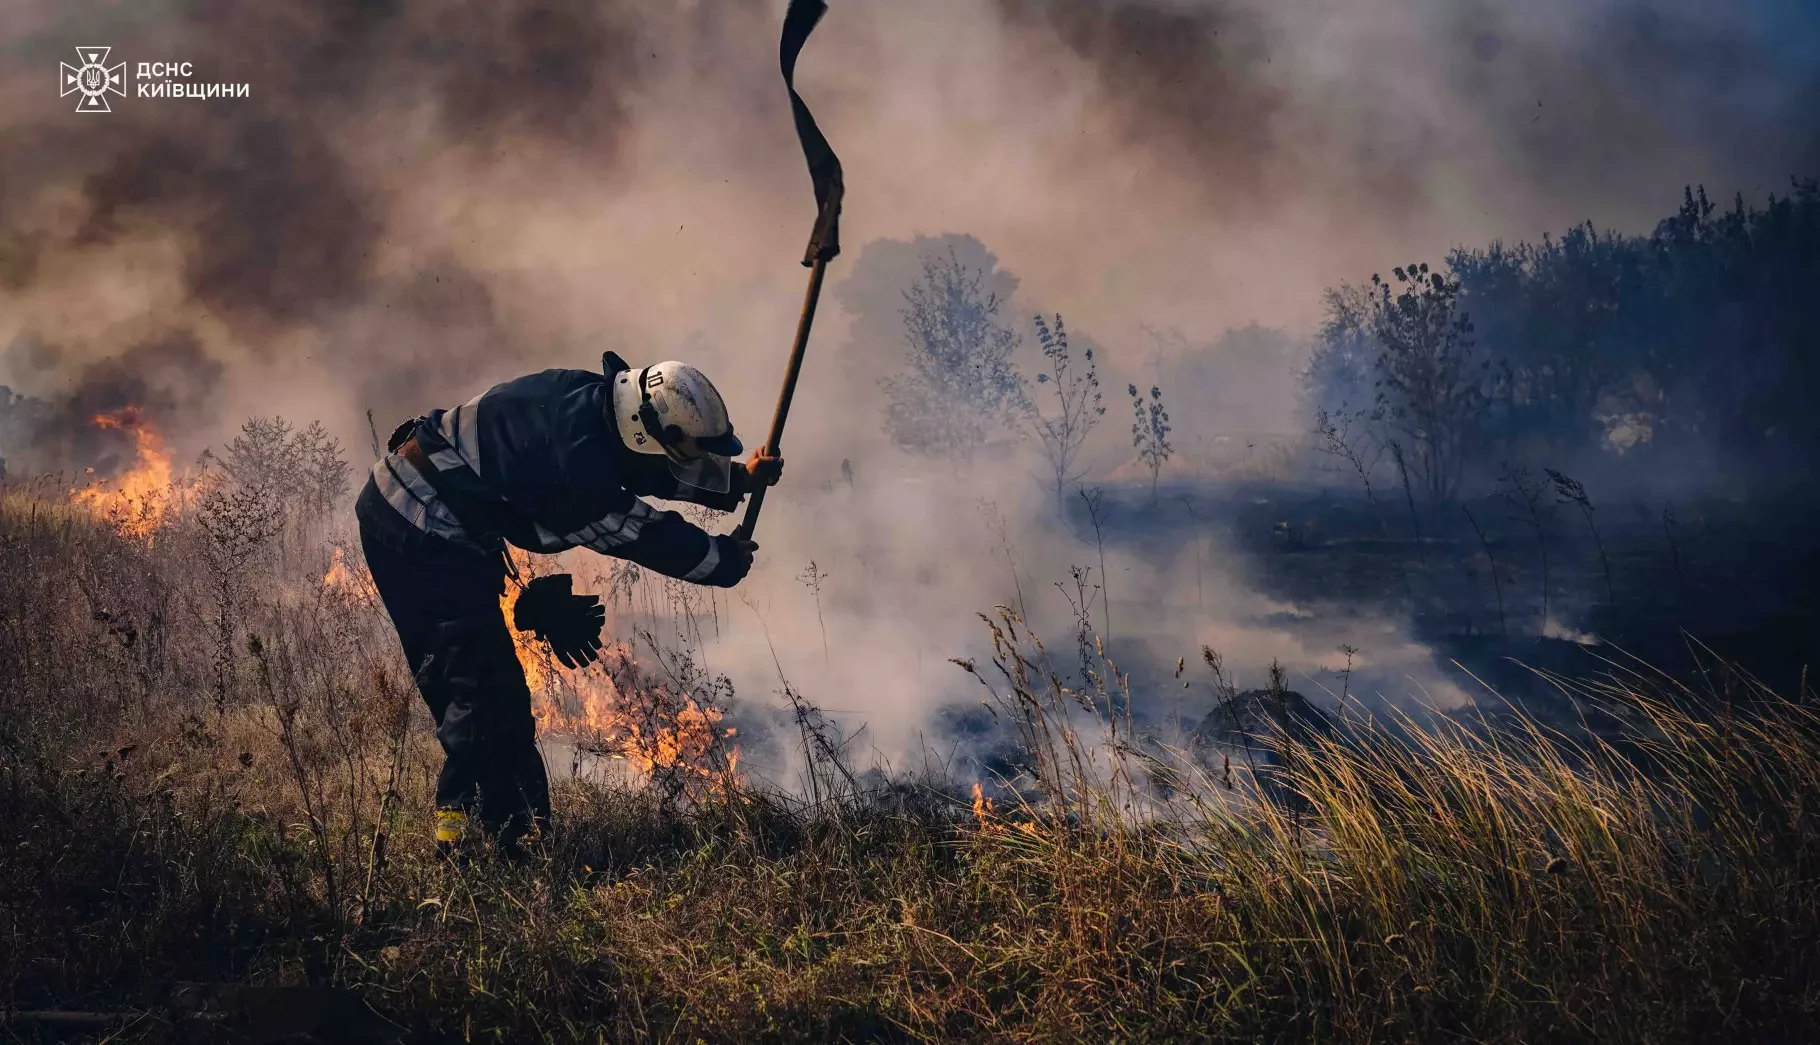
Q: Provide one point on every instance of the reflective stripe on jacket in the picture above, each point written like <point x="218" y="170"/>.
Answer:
<point x="541" y="456"/>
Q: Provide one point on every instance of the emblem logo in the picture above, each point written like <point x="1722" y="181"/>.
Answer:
<point x="92" y="79"/>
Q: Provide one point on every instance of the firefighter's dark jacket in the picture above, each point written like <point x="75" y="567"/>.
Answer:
<point x="538" y="463"/>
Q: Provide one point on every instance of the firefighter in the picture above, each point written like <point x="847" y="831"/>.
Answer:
<point x="550" y="461"/>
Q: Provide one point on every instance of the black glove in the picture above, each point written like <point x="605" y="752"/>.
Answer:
<point x="569" y="623"/>
<point x="762" y="470"/>
<point x="735" y="560"/>
<point x="400" y="434"/>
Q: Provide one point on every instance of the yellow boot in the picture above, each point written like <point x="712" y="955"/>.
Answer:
<point x="451" y="827"/>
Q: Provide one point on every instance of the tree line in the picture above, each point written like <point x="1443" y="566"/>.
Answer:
<point x="1691" y="347"/>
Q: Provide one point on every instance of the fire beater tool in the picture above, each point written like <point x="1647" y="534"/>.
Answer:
<point x="824" y="238"/>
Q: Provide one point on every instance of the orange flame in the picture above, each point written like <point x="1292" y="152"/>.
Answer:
<point x="137" y="502"/>
<point x="531" y="656"/>
<point x="351" y="583"/>
<point x="653" y="729"/>
<point x="982" y="808"/>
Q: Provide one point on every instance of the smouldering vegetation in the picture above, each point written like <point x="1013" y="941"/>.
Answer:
<point x="207" y="784"/>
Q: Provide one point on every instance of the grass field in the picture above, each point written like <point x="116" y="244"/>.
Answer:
<point x="214" y="783"/>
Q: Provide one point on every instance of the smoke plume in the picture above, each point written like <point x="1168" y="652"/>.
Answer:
<point x="418" y="199"/>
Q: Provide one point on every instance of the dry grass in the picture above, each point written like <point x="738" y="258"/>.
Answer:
<point x="181" y="801"/>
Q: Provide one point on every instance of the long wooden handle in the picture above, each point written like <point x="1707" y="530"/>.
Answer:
<point x="773" y="443"/>
<point x="824" y="240"/>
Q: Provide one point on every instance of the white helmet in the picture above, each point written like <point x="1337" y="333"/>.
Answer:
<point x="655" y="407"/>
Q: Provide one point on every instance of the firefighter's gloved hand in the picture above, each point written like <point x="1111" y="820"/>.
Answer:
<point x="735" y="561"/>
<point x="570" y="623"/>
<point x="763" y="470"/>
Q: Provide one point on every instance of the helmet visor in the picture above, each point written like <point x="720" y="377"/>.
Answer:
<point x="726" y="445"/>
<point x="710" y="472"/>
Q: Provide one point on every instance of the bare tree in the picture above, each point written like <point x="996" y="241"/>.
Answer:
<point x="322" y="471"/>
<point x="1338" y="373"/>
<point x="1078" y="406"/>
<point x="1429" y="395"/>
<point x="961" y="391"/>
<point x="1357" y="448"/>
<point x="302" y="471"/>
<point x="260" y="456"/>
<point x="304" y="468"/>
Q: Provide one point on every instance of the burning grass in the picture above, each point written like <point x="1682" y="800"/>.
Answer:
<point x="185" y="802"/>
<point x="137" y="500"/>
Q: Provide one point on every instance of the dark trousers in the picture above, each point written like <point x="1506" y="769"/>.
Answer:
<point x="444" y="601"/>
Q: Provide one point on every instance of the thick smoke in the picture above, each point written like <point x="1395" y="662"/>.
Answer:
<point x="1189" y="84"/>
<point x="417" y="200"/>
<point x="1190" y="164"/>
<point x="268" y="225"/>
<point x="159" y="384"/>
<point x="1380" y="104"/>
